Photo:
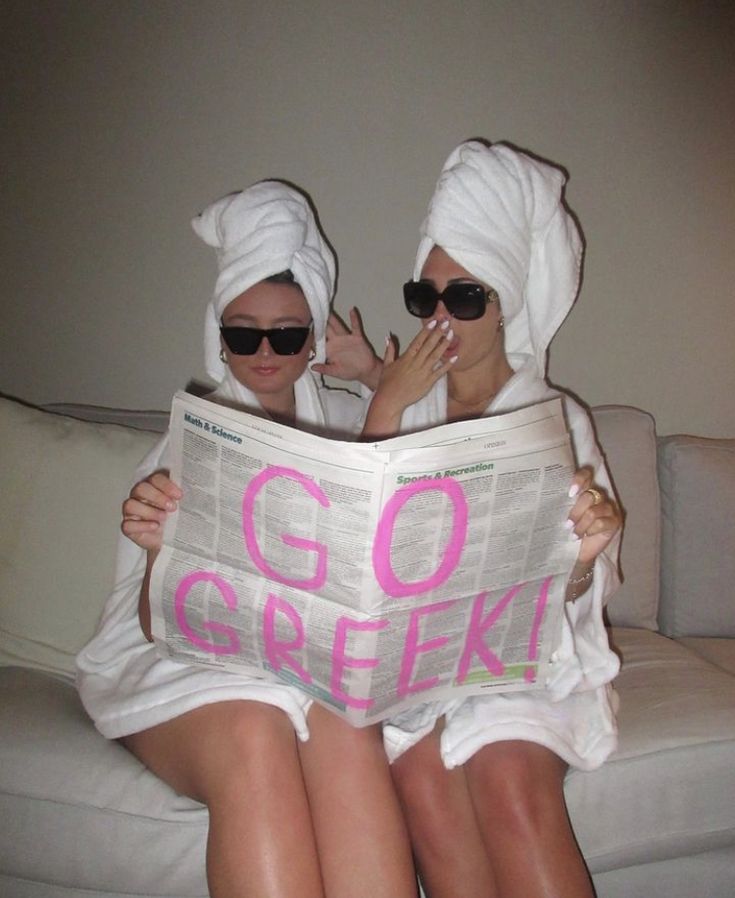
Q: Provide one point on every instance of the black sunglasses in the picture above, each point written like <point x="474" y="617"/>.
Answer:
<point x="282" y="340"/>
<point x="465" y="301"/>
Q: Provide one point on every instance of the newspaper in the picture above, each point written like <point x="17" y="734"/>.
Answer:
<point x="373" y="576"/>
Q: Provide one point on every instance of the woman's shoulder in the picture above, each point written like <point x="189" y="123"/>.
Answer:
<point x="579" y="416"/>
<point x="581" y="429"/>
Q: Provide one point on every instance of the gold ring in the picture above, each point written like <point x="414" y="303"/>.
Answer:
<point x="596" y="495"/>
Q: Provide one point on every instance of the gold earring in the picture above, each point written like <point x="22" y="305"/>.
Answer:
<point x="312" y="354"/>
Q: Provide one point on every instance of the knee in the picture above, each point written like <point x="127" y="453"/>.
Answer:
<point x="218" y="749"/>
<point x="252" y="730"/>
<point x="417" y="774"/>
<point x="425" y="789"/>
<point x="343" y="739"/>
<point x="519" y="785"/>
<point x="243" y="742"/>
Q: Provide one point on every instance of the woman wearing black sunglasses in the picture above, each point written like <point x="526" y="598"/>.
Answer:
<point x="300" y="803"/>
<point x="481" y="779"/>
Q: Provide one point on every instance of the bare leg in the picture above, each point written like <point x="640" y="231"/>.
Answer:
<point x="517" y="789"/>
<point x="449" y="850"/>
<point x="240" y="759"/>
<point x="363" y="844"/>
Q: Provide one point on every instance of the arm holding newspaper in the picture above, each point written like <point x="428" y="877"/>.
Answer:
<point x="145" y="510"/>
<point x="144" y="514"/>
<point x="594" y="519"/>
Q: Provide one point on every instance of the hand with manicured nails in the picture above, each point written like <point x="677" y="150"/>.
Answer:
<point x="594" y="518"/>
<point x="408" y="377"/>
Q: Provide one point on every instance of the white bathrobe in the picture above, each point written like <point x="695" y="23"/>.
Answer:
<point x="499" y="213"/>
<point x="124" y="684"/>
<point x="574" y="716"/>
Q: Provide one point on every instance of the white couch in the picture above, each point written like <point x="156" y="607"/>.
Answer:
<point x="81" y="818"/>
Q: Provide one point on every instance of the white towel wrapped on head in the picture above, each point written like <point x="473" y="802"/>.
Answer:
<point x="258" y="232"/>
<point x="499" y="214"/>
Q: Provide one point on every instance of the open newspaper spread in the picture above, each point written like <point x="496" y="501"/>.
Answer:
<point x="374" y="576"/>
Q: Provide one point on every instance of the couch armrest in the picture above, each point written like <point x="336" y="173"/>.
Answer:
<point x="628" y="439"/>
<point x="62" y="481"/>
<point x="697" y="483"/>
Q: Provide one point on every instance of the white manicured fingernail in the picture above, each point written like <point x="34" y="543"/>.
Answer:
<point x="453" y="359"/>
<point x="569" y="524"/>
<point x="444" y="325"/>
<point x="449" y="334"/>
<point x="573" y="490"/>
<point x="431" y="325"/>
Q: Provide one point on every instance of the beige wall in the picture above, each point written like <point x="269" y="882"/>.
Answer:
<point x="122" y="119"/>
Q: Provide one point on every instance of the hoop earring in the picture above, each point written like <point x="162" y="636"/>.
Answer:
<point x="222" y="356"/>
<point x="312" y="354"/>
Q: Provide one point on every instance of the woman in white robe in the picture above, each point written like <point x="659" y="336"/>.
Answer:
<point x="299" y="801"/>
<point x="481" y="779"/>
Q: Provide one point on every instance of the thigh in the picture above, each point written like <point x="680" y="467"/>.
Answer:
<point x="212" y="747"/>
<point x="240" y="759"/>
<point x="426" y="788"/>
<point x="330" y="735"/>
<point x="440" y="814"/>
<point x="516" y="775"/>
<point x="517" y="790"/>
<point x="355" y="812"/>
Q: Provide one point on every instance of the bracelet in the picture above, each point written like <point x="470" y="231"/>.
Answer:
<point x="585" y="578"/>
<point x="579" y="584"/>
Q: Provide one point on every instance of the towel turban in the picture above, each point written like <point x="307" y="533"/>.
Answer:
<point x="499" y="214"/>
<point x="259" y="232"/>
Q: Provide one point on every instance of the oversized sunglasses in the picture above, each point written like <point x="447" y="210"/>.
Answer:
<point x="465" y="301"/>
<point x="282" y="340"/>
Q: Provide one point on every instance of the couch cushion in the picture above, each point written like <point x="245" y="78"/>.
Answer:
<point x="697" y="477"/>
<point x="79" y="811"/>
<point x="62" y="481"/>
<point x="707" y="874"/>
<point x="719" y="651"/>
<point x="628" y="438"/>
<point x="667" y="790"/>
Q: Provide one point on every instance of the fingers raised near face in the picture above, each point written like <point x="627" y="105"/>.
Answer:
<point x="335" y="326"/>
<point x="391" y="352"/>
<point x="356" y="322"/>
<point x="431" y="340"/>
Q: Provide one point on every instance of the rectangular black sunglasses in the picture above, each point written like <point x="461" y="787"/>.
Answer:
<point x="465" y="301"/>
<point x="282" y="340"/>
